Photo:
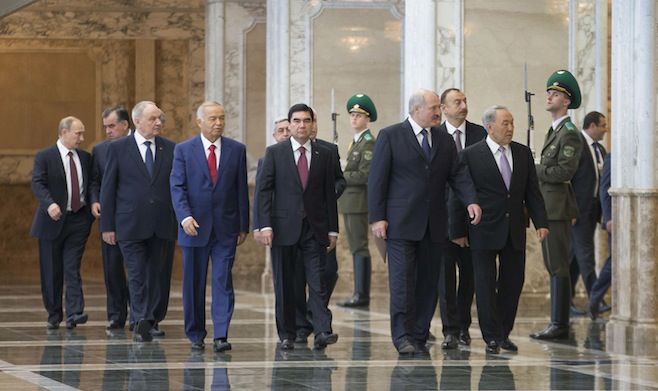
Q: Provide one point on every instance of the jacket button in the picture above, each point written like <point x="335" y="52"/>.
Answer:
<point x="506" y="214"/>
<point x="150" y="201"/>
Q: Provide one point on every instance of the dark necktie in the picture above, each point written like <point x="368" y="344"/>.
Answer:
<point x="212" y="163"/>
<point x="148" y="158"/>
<point x="425" y="144"/>
<point x="505" y="169"/>
<point x="302" y="167"/>
<point x="597" y="153"/>
<point x="75" y="185"/>
<point x="458" y="140"/>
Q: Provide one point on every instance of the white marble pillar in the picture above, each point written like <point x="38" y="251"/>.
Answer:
<point x="215" y="50"/>
<point x="419" y="46"/>
<point x="450" y="44"/>
<point x="633" y="326"/>
<point x="278" y="63"/>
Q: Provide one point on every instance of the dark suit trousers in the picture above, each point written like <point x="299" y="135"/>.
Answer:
<point x="602" y="284"/>
<point x="144" y="262"/>
<point x="284" y="263"/>
<point x="414" y="268"/>
<point x="116" y="286"/>
<point x="59" y="264"/>
<point x="455" y="302"/>
<point x="195" y="272"/>
<point x="164" y="276"/>
<point x="303" y="316"/>
<point x="582" y="247"/>
<point x="498" y="289"/>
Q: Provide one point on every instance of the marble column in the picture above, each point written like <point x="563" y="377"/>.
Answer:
<point x="450" y="44"/>
<point x="419" y="46"/>
<point x="215" y="50"/>
<point x="633" y="325"/>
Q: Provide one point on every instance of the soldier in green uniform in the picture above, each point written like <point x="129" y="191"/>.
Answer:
<point x="559" y="162"/>
<point x="354" y="202"/>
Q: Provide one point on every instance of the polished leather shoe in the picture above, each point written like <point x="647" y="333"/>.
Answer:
<point x="604" y="307"/>
<point x="156" y="332"/>
<point x="325" y="338"/>
<point x="406" y="347"/>
<point x="198" y="345"/>
<point x="287" y="344"/>
<point x="464" y="337"/>
<point x="114" y="325"/>
<point x="575" y="311"/>
<point x="302" y="336"/>
<point x="142" y="331"/>
<point x="221" y="345"/>
<point x="508" y="345"/>
<point x="593" y="310"/>
<point x="492" y="347"/>
<point x="421" y="348"/>
<point x="75" y="320"/>
<point x="552" y="331"/>
<point x="355" y="301"/>
<point x="450" y="342"/>
<point x="52" y="325"/>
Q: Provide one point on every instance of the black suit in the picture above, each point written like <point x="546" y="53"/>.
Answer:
<point x="301" y="220"/>
<point x="61" y="242"/>
<point x="455" y="302"/>
<point x="501" y="233"/>
<point x="137" y="206"/>
<point x="114" y="273"/>
<point x="409" y="191"/>
<point x="584" y="184"/>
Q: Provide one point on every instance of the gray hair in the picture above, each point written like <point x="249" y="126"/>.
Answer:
<point x="489" y="115"/>
<point x="201" y="110"/>
<point x="417" y="99"/>
<point x="278" y="121"/>
<point x="140" y="107"/>
<point x="65" y="123"/>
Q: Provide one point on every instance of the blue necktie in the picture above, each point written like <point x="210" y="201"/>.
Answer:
<point x="148" y="159"/>
<point x="425" y="144"/>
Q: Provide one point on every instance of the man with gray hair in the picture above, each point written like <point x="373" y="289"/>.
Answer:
<point x="62" y="221"/>
<point x="138" y="214"/>
<point x="413" y="161"/>
<point x="503" y="172"/>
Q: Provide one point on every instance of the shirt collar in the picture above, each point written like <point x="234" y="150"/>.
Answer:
<point x="451" y="129"/>
<point x="140" y="139"/>
<point x="63" y="150"/>
<point x="296" y="145"/>
<point x="494" y="146"/>
<point x="588" y="138"/>
<point x="207" y="143"/>
<point x="557" y="121"/>
<point x="358" y="135"/>
<point x="416" y="128"/>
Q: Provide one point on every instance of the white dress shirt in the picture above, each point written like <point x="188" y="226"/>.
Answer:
<point x="557" y="122"/>
<point x="64" y="154"/>
<point x="307" y="147"/>
<point x="462" y="128"/>
<point x="597" y="166"/>
<point x="417" y="129"/>
<point x="493" y="146"/>
<point x="142" y="147"/>
<point x="218" y="148"/>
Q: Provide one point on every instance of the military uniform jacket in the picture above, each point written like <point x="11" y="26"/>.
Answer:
<point x="359" y="157"/>
<point x="559" y="162"/>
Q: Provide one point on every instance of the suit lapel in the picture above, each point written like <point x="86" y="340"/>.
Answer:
<point x="289" y="160"/>
<point x="518" y="164"/>
<point x="159" y="154"/>
<point x="199" y="155"/>
<point x="224" y="154"/>
<point x="435" y="143"/>
<point x="489" y="160"/>
<point x="316" y="166"/>
<point x="133" y="152"/>
<point x="410" y="136"/>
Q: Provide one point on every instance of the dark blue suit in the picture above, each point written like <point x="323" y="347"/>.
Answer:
<point x="137" y="206"/>
<point x="600" y="287"/>
<point x="116" y="286"/>
<point x="61" y="242"/>
<point x="409" y="191"/>
<point x="222" y="212"/>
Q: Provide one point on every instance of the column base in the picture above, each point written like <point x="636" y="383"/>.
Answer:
<point x="624" y="337"/>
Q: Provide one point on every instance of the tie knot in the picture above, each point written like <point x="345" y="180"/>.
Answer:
<point x="212" y="147"/>
<point x="501" y="149"/>
<point x="70" y="154"/>
<point x="147" y="143"/>
<point x="301" y="149"/>
<point x="423" y="131"/>
<point x="457" y="131"/>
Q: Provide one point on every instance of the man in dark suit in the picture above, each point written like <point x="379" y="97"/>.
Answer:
<point x="116" y="124"/>
<point x="412" y="163"/>
<point x="505" y="179"/>
<point x="211" y="201"/>
<point x="585" y="183"/>
<point x="62" y="221"/>
<point x="138" y="214"/>
<point x="297" y="213"/>
<point x="602" y="283"/>
<point x="455" y="302"/>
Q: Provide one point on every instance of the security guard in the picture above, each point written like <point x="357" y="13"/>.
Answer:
<point x="354" y="202"/>
<point x="559" y="162"/>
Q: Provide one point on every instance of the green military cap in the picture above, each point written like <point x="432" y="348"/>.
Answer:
<point x="361" y="103"/>
<point x="564" y="81"/>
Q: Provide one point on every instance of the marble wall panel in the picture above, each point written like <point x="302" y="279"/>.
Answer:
<point x="450" y="48"/>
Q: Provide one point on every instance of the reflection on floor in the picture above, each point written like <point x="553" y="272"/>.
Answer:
<point x="90" y="358"/>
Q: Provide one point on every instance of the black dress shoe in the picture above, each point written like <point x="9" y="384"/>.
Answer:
<point x="406" y="347"/>
<point x="575" y="311"/>
<point x="355" y="301"/>
<point x="593" y="310"/>
<point x="302" y="336"/>
<point x="156" y="332"/>
<point x="421" y="348"/>
<point x="552" y="331"/>
<point x="287" y="344"/>
<point x="114" y="325"/>
<point x="325" y="338"/>
<point x="506" y="344"/>
<point x="464" y="337"/>
<point x="198" y="345"/>
<point x="604" y="307"/>
<point x="142" y="331"/>
<point x="450" y="342"/>
<point x="52" y="325"/>
<point x="75" y="320"/>
<point x="492" y="347"/>
<point x="221" y="345"/>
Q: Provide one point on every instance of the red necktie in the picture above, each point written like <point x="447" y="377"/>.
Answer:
<point x="302" y="167"/>
<point x="212" y="163"/>
<point x="75" y="185"/>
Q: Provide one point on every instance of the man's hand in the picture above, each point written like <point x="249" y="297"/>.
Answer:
<point x="96" y="209"/>
<point x="573" y="221"/>
<point x="110" y="238"/>
<point x="379" y="229"/>
<point x="266" y="238"/>
<point x="332" y="243"/>
<point x="475" y="213"/>
<point x="461" y="242"/>
<point x="241" y="237"/>
<point x="542" y="233"/>
<point x="54" y="211"/>
<point x="189" y="226"/>
<point x="608" y="226"/>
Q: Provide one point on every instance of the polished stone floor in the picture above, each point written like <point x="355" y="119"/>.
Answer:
<point x="89" y="358"/>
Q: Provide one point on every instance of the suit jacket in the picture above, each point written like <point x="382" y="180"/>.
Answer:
<point x="606" y="201"/>
<point x="222" y="207"/>
<point x="559" y="162"/>
<point x="474" y="134"/>
<point x="502" y="210"/>
<point x="340" y="183"/>
<point x="408" y="190"/>
<point x="359" y="159"/>
<point x="584" y="180"/>
<point x="49" y="186"/>
<point x="283" y="203"/>
<point x="135" y="205"/>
